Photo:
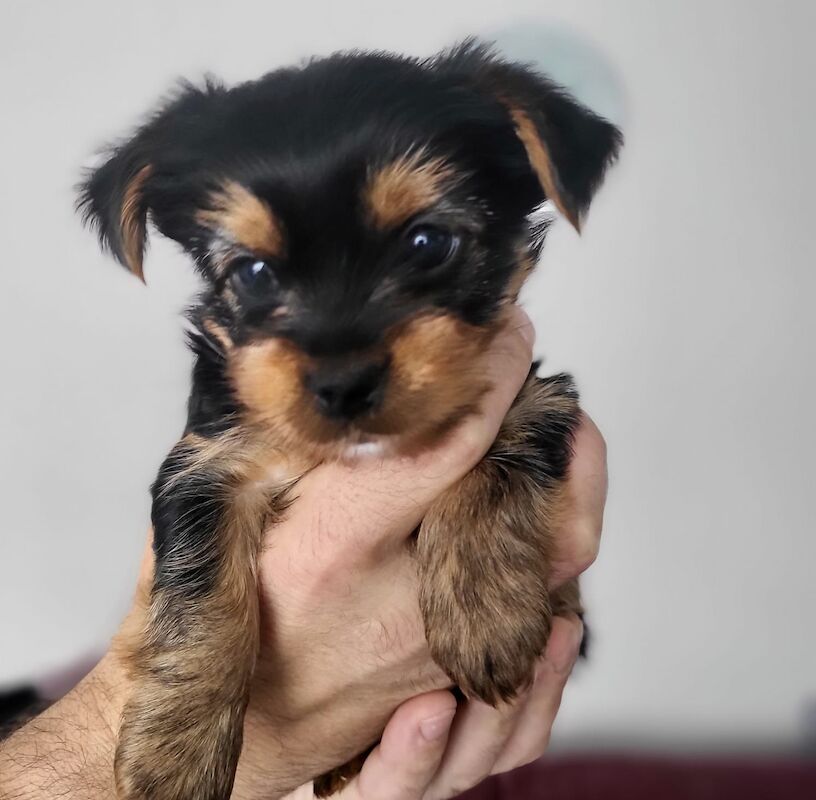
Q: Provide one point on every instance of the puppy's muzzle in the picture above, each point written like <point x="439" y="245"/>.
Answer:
<point x="347" y="389"/>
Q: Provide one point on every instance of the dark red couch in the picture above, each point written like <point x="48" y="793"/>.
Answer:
<point x="645" y="778"/>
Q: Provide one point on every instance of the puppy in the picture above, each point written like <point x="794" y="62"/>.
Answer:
<point x="361" y="224"/>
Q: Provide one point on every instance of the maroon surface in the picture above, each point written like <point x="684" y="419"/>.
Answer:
<point x="629" y="778"/>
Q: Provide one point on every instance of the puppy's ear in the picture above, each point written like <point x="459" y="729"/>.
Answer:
<point x="114" y="200"/>
<point x="143" y="176"/>
<point x="568" y="146"/>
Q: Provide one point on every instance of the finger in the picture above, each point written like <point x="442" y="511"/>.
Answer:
<point x="408" y="756"/>
<point x="478" y="737"/>
<point x="366" y="497"/>
<point x="531" y="734"/>
<point x="579" y="536"/>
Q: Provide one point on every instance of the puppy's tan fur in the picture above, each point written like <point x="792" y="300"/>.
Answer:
<point x="405" y="187"/>
<point x="133" y="222"/>
<point x="245" y="221"/>
<point x="539" y="154"/>
<point x="483" y="551"/>
<point x="167" y="651"/>
<point x="434" y="381"/>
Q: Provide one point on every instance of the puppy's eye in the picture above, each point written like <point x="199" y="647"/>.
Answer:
<point x="430" y="246"/>
<point x="253" y="278"/>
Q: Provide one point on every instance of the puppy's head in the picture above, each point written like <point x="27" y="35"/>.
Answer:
<point x="360" y="223"/>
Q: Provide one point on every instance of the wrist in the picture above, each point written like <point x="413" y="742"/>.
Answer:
<point x="68" y="749"/>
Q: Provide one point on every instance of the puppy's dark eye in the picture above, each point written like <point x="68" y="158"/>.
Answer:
<point x="253" y="278"/>
<point x="430" y="246"/>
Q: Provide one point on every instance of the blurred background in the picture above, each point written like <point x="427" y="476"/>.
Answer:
<point x="685" y="311"/>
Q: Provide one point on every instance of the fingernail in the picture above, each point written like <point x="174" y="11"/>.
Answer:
<point x="436" y="727"/>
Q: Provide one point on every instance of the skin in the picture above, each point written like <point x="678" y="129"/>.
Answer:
<point x="342" y="639"/>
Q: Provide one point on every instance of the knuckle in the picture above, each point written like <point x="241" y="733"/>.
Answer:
<point x="533" y="754"/>
<point x="520" y="330"/>
<point x="577" y="632"/>
<point x="592" y="433"/>
<point x="526" y="754"/>
<point x="517" y="356"/>
<point x="583" y="549"/>
<point x="584" y="559"/>
<point x="458" y="784"/>
<point x="577" y="625"/>
<point x="519" y="350"/>
<point x="470" y="444"/>
<point x="603" y="447"/>
<point x="599" y="440"/>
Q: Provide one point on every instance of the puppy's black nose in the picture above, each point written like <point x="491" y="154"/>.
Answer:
<point x="347" y="390"/>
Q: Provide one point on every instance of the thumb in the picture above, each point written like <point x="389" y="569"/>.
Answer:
<point x="404" y="763"/>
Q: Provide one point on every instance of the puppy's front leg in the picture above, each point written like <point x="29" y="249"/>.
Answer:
<point x="485" y="549"/>
<point x="192" y="649"/>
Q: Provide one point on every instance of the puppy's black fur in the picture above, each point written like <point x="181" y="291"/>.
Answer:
<point x="361" y="224"/>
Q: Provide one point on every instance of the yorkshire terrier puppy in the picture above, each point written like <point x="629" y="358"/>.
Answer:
<point x="361" y="223"/>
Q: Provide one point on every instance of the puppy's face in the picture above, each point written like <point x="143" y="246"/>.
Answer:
<point x="360" y="223"/>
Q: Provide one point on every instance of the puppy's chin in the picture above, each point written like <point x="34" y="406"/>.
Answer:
<point x="377" y="448"/>
<point x="351" y="445"/>
<point x="366" y="440"/>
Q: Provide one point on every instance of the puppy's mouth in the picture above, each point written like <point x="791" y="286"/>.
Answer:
<point x="396" y="398"/>
<point x="369" y="448"/>
<point x="371" y="435"/>
<point x="355" y="447"/>
<point x="402" y="423"/>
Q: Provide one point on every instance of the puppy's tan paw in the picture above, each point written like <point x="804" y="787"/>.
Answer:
<point x="483" y="553"/>
<point x="488" y="650"/>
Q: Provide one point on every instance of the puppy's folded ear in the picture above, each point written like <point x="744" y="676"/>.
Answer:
<point x="114" y="200"/>
<point x="568" y="146"/>
<point x="140" y="177"/>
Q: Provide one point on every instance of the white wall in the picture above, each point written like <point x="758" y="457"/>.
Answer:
<point x="685" y="311"/>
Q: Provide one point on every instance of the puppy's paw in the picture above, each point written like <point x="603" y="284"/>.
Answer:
<point x="485" y="548"/>
<point x="489" y="649"/>
<point x="482" y="552"/>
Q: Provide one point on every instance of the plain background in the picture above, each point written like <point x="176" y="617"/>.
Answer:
<point x="685" y="310"/>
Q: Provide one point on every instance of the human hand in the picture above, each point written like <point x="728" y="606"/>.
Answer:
<point x="422" y="756"/>
<point x="430" y="750"/>
<point x="343" y="642"/>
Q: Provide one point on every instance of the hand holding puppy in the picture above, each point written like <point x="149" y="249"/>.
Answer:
<point x="345" y="634"/>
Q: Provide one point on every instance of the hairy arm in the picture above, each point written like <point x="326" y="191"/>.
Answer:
<point x="67" y="751"/>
